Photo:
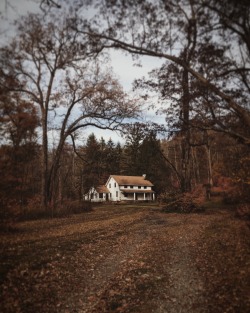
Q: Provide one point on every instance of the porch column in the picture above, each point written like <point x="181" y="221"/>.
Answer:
<point x="153" y="197"/>
<point x="144" y="196"/>
<point x="134" y="196"/>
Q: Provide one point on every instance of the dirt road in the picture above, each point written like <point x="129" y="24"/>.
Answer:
<point x="127" y="259"/>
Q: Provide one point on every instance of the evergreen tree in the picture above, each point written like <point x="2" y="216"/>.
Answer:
<point x="91" y="166"/>
<point x="132" y="158"/>
<point x="153" y="164"/>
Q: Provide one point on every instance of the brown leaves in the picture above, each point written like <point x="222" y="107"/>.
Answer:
<point x="223" y="262"/>
<point x="127" y="260"/>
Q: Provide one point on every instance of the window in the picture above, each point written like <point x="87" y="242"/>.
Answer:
<point x="131" y="187"/>
<point x="116" y="194"/>
<point x="145" y="187"/>
<point x="109" y="185"/>
<point x="115" y="184"/>
<point x="100" y="195"/>
<point x="139" y="187"/>
<point x="125" y="195"/>
<point x="125" y="186"/>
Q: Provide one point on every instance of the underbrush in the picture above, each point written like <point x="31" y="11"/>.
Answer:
<point x="240" y="198"/>
<point x="189" y="202"/>
<point x="33" y="211"/>
<point x="72" y="207"/>
<point x="243" y="212"/>
<point x="64" y="209"/>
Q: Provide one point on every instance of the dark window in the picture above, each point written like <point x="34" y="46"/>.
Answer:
<point x="109" y="185"/>
<point x="125" y="186"/>
<point x="139" y="187"/>
<point x="145" y="187"/>
<point x="117" y="194"/>
<point x="115" y="184"/>
<point x="101" y="195"/>
<point x="131" y="187"/>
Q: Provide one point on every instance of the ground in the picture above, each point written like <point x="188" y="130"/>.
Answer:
<point x="127" y="258"/>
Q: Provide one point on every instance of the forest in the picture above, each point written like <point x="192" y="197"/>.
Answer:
<point x="54" y="82"/>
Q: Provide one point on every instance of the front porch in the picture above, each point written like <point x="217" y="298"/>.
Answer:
<point x="137" y="195"/>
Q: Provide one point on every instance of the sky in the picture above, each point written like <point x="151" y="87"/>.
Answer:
<point x="122" y="64"/>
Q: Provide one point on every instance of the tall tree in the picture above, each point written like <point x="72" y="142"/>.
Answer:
<point x="153" y="164"/>
<point x="92" y="156"/>
<point x="131" y="159"/>
<point x="70" y="91"/>
<point x="142" y="155"/>
<point x="113" y="158"/>
<point x="189" y="33"/>
<point x="19" y="150"/>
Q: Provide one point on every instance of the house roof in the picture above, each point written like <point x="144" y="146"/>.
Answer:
<point x="102" y="189"/>
<point x="132" y="180"/>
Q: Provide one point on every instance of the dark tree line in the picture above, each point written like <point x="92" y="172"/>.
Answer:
<point x="139" y="155"/>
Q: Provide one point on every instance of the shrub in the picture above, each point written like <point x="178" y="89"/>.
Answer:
<point x="175" y="201"/>
<point x="34" y="211"/>
<point x="243" y="211"/>
<point x="69" y="207"/>
<point x="239" y="194"/>
<point x="231" y="198"/>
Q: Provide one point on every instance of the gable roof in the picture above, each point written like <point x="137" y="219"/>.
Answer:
<point x="102" y="189"/>
<point x="132" y="180"/>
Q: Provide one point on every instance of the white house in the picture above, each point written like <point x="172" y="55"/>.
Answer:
<point x="98" y="194"/>
<point x="122" y="188"/>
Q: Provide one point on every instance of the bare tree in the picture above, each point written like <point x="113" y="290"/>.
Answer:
<point x="69" y="88"/>
<point x="177" y="30"/>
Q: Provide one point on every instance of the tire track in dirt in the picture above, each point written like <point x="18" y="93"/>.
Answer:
<point x="177" y="285"/>
<point x="184" y="291"/>
<point x="117" y="248"/>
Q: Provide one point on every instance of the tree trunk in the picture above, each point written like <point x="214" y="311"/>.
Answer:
<point x="186" y="151"/>
<point x="44" y="189"/>
<point x="210" y="174"/>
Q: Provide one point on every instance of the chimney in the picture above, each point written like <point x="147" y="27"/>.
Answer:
<point x="144" y="176"/>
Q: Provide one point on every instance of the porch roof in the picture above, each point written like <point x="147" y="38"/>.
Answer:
<point x="102" y="189"/>
<point x="136" y="191"/>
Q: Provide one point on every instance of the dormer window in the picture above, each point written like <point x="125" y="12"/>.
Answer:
<point x="139" y="187"/>
<point x="131" y="187"/>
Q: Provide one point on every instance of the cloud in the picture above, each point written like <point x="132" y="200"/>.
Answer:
<point x="126" y="70"/>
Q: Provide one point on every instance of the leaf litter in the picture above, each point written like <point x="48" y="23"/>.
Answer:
<point x="127" y="259"/>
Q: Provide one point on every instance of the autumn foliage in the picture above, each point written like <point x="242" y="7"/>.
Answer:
<point x="188" y="202"/>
